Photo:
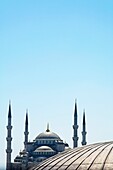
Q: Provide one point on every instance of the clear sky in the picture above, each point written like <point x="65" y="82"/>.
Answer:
<point x="52" y="52"/>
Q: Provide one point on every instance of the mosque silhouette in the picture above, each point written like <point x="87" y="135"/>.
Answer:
<point x="46" y="145"/>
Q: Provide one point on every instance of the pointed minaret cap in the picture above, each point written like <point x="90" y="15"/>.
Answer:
<point x="84" y="117"/>
<point x="75" y="112"/>
<point x="26" y="117"/>
<point x="9" y="112"/>
<point x="47" y="130"/>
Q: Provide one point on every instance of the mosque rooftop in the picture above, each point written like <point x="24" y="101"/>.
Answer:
<point x="48" y="135"/>
<point x="44" y="149"/>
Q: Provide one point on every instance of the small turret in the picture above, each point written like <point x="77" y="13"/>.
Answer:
<point x="9" y="139"/>
<point x="75" y="127"/>
<point x="84" y="130"/>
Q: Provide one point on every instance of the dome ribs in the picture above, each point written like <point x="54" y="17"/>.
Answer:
<point x="62" y="163"/>
<point x="76" y="163"/>
<point x="56" y="159"/>
<point x="71" y="153"/>
<point x="75" y="157"/>
<point x="109" y="160"/>
<point x="47" y="161"/>
<point x="97" y="156"/>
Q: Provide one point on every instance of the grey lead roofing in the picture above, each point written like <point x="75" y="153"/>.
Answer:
<point x="97" y="156"/>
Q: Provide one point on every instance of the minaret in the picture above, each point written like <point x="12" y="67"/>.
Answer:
<point x="75" y="127"/>
<point x="26" y="131"/>
<point x="9" y="139"/>
<point x="84" y="130"/>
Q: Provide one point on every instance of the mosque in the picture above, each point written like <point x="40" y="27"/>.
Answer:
<point x="49" y="152"/>
<point x="45" y="145"/>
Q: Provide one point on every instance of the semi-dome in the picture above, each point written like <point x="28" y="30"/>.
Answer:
<point x="97" y="156"/>
<point x="44" y="149"/>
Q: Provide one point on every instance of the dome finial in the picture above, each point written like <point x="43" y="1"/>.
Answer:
<point x="47" y="128"/>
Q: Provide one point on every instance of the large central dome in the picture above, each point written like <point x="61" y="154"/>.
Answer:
<point x="48" y="135"/>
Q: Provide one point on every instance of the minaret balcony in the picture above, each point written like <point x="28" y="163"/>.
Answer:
<point x="26" y="133"/>
<point x="84" y="133"/>
<point x="84" y="142"/>
<point x="9" y="138"/>
<point x="75" y="126"/>
<point x="8" y="150"/>
<point x="9" y="127"/>
<point x="75" y="138"/>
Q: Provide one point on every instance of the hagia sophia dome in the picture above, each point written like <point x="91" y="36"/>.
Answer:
<point x="97" y="156"/>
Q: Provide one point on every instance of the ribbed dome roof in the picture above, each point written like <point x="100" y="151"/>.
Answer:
<point x="90" y="157"/>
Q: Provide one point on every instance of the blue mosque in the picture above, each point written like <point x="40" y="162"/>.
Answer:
<point x="48" y="151"/>
<point x="46" y="145"/>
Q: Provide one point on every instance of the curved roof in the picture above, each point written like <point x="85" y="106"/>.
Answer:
<point x="48" y="135"/>
<point x="97" y="156"/>
<point x="44" y="149"/>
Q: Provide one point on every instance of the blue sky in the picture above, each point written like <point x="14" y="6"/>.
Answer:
<point x="52" y="52"/>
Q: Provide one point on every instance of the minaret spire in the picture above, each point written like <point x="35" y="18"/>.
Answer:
<point x="26" y="131"/>
<point x="9" y="139"/>
<point x="84" y="130"/>
<point x="75" y="127"/>
<point x="9" y="112"/>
